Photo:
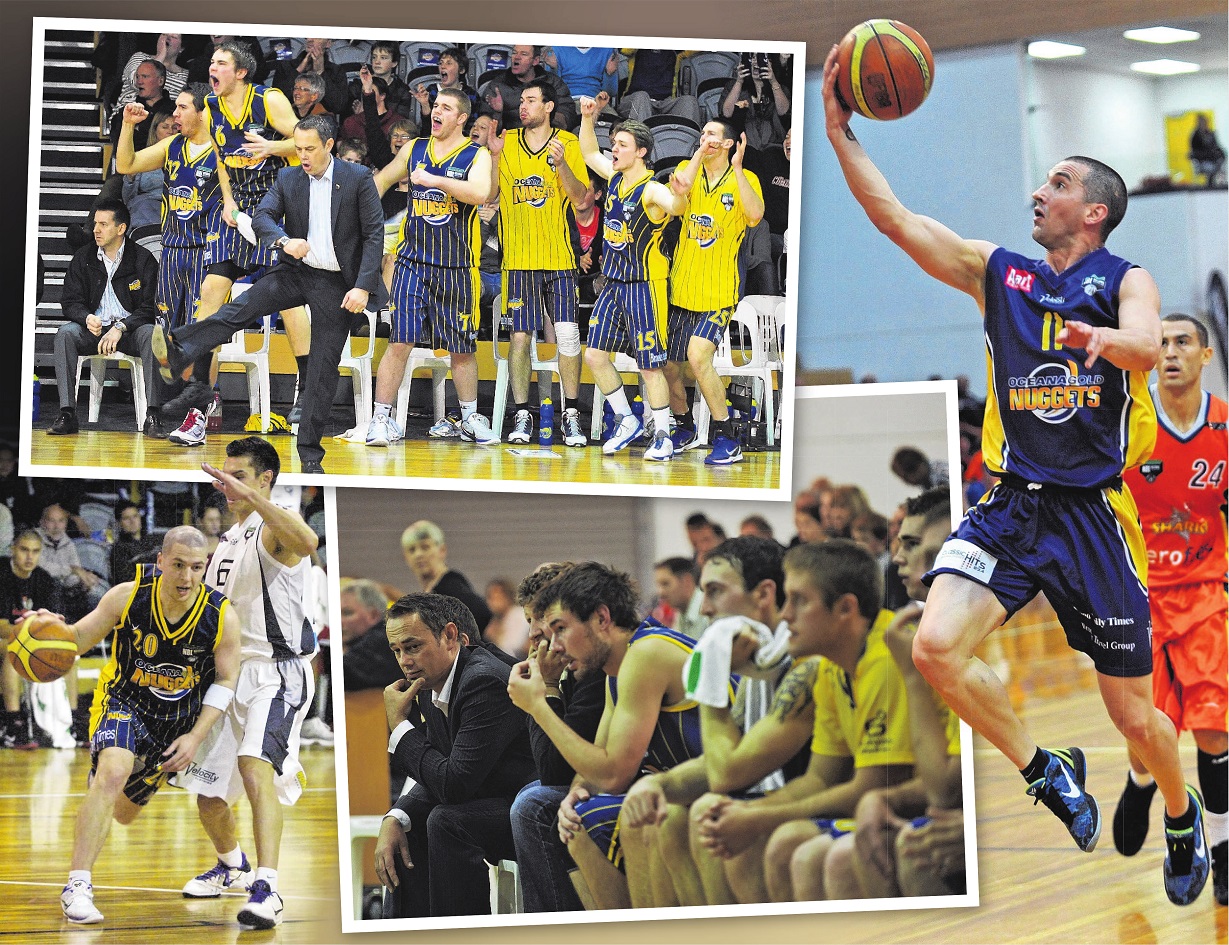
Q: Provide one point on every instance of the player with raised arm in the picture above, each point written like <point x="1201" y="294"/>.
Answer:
<point x="435" y="276"/>
<point x="264" y="565"/>
<point x="171" y="676"/>
<point x="632" y="306"/>
<point x="1070" y="340"/>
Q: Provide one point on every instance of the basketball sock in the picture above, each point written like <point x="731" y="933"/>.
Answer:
<point x="383" y="410"/>
<point x="1037" y="767"/>
<point x="301" y="361"/>
<point x="83" y="875"/>
<point x="268" y="875"/>
<point x="1214" y="784"/>
<point x="683" y="420"/>
<point x="1184" y="820"/>
<point x="661" y="419"/>
<point x="468" y="409"/>
<point x="1141" y="780"/>
<point x="618" y="402"/>
<point x="233" y="859"/>
<point x="520" y="404"/>
<point x="720" y="428"/>
<point x="569" y="403"/>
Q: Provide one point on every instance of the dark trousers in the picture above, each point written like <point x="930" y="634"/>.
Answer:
<point x="448" y="846"/>
<point x="284" y="287"/>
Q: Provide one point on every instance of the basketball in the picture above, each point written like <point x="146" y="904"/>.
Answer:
<point x="44" y="648"/>
<point x="886" y="69"/>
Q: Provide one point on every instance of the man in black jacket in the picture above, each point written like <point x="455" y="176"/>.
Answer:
<point x="502" y="89"/>
<point x="455" y="732"/>
<point x="108" y="299"/>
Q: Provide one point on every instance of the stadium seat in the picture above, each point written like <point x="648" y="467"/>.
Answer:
<point x="674" y="138"/>
<point x="699" y="66"/>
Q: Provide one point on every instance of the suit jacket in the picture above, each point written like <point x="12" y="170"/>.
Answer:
<point x="480" y="749"/>
<point x="358" y="220"/>
<point x="135" y="282"/>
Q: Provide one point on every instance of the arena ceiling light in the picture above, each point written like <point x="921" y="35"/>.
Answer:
<point x="1164" y="67"/>
<point x="1161" y="34"/>
<point x="1047" y="49"/>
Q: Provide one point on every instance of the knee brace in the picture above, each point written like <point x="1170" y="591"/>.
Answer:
<point x="567" y="337"/>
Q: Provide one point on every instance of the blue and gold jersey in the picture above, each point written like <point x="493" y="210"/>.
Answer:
<point x="250" y="177"/>
<point x="676" y="736"/>
<point x="632" y="241"/>
<point x="190" y="193"/>
<point x="704" y="274"/>
<point x="440" y="230"/>
<point x="1049" y="419"/>
<point x="159" y="669"/>
<point x="536" y="221"/>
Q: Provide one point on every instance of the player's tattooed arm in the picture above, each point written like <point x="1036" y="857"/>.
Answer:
<point x="796" y="694"/>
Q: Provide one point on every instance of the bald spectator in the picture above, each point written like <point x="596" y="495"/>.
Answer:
<point x="427" y="556"/>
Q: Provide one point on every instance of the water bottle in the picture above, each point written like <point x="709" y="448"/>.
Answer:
<point x="38" y="399"/>
<point x="607" y="421"/>
<point x="546" y="424"/>
<point x="638" y="413"/>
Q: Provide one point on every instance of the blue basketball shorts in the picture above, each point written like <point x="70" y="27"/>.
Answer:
<point x="121" y="726"/>
<point x="531" y="296"/>
<point x="180" y="274"/>
<point x="1082" y="547"/>
<point x="446" y="297"/>
<point x="632" y="313"/>
<point x="600" y="816"/>
<point x="686" y="324"/>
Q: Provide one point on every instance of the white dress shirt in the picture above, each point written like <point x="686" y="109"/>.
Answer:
<point x="321" y="254"/>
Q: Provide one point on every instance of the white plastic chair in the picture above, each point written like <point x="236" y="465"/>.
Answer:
<point x="98" y="378"/>
<point x="359" y="368"/>
<point x="424" y="359"/>
<point x="503" y="377"/>
<point x="756" y="320"/>
<point x="504" y="879"/>
<point x="255" y="363"/>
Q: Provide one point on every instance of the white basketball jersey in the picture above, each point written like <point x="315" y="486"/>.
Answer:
<point x="273" y="602"/>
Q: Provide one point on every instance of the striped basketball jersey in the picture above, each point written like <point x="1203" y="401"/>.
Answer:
<point x="1049" y="419"/>
<point x="704" y="274"/>
<point x="438" y="229"/>
<point x="676" y="737"/>
<point x="631" y="240"/>
<point x="158" y="668"/>
<point x="273" y="600"/>
<point x="1180" y="492"/>
<point x="250" y="177"/>
<point x="536" y="221"/>
<point x="190" y="192"/>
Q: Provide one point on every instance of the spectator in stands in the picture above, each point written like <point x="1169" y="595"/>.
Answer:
<point x="678" y="587"/>
<point x="771" y="166"/>
<point x="6" y="531"/>
<point x="468" y="754"/>
<point x="307" y="95"/>
<point x="427" y="556"/>
<point x="843" y="508"/>
<point x="367" y="662"/>
<point x="652" y="87"/>
<point x="755" y="526"/>
<point x="166" y="55"/>
<point x="209" y="522"/>
<point x="149" y="81"/>
<point x="704" y="535"/>
<point x="508" y="629"/>
<point x="385" y="55"/>
<point x="373" y="103"/>
<point x="807" y="523"/>
<point x="142" y="193"/>
<point x="353" y="150"/>
<point x="24" y="586"/>
<point x="588" y="215"/>
<point x="452" y="65"/>
<point x="108" y="301"/>
<point x="1206" y="154"/>
<point x="131" y="546"/>
<point x="81" y="589"/>
<point x="501" y="90"/>
<point x="756" y="98"/>
<point x="911" y="466"/>
<point x="870" y="530"/>
<point x="490" y="263"/>
<point x="315" y="58"/>
<point x="586" y="70"/>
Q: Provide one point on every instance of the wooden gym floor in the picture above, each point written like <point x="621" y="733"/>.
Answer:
<point x="138" y="877"/>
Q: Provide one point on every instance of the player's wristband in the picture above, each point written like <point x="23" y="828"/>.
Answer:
<point x="218" y="696"/>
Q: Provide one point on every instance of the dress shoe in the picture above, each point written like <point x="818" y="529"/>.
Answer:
<point x="65" y="424"/>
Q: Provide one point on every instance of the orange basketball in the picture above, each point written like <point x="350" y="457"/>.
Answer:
<point x="44" y="648"/>
<point x="886" y="69"/>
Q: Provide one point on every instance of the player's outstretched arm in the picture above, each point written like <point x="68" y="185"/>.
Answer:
<point x="94" y="626"/>
<point x="286" y="536"/>
<point x="590" y="150"/>
<point x="954" y="261"/>
<point x="1135" y="345"/>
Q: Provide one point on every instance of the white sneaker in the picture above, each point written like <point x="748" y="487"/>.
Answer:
<point x="661" y="450"/>
<point x="477" y="429"/>
<point x="263" y="909"/>
<point x="192" y="431"/>
<point x="573" y="433"/>
<point x="316" y="732"/>
<point x="382" y="430"/>
<point x="627" y="429"/>
<point x="522" y="427"/>
<point x="449" y="428"/>
<point x="77" y="901"/>
<point x="219" y="878"/>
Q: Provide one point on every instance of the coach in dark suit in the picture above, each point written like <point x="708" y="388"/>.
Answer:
<point x="457" y="734"/>
<point x="325" y="218"/>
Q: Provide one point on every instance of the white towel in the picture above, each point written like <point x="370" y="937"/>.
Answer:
<point x="706" y="676"/>
<point x="243" y="223"/>
<point x="52" y="713"/>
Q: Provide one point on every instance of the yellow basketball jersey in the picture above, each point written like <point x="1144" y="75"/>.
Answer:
<point x="535" y="215"/>
<point x="704" y="276"/>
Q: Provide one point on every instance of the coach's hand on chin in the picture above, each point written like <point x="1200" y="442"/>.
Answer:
<point x="399" y="700"/>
